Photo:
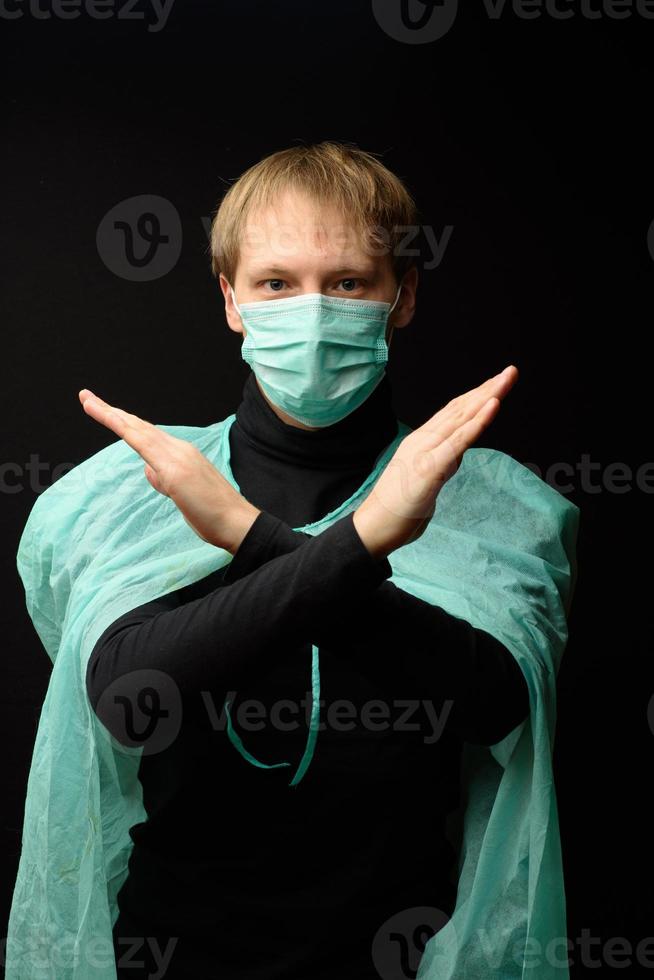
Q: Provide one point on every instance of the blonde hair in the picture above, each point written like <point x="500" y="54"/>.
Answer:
<point x="373" y="200"/>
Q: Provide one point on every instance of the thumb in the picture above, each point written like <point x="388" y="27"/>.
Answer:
<point x="151" y="477"/>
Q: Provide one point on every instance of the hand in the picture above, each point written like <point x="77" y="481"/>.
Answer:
<point x="177" y="469"/>
<point x="402" y="501"/>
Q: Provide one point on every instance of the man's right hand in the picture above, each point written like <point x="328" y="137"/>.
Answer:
<point x="403" y="500"/>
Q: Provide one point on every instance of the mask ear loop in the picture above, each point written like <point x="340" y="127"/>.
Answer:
<point x="397" y="296"/>
<point x="238" y="310"/>
<point x="311" y="738"/>
<point x="399" y="290"/>
<point x="315" y="718"/>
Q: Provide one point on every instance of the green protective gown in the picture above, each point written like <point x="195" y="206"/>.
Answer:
<point x="499" y="552"/>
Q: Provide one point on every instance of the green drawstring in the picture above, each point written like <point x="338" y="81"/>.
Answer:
<point x="313" y="728"/>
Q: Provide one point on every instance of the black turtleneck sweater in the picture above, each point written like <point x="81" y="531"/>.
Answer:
<point x="235" y="874"/>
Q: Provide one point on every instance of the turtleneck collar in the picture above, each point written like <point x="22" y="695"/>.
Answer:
<point x="355" y="441"/>
<point x="300" y="475"/>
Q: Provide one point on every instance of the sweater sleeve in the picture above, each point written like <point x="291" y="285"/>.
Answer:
<point x="412" y="646"/>
<point x="220" y="637"/>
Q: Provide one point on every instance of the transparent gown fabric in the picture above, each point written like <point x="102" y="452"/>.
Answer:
<point x="498" y="552"/>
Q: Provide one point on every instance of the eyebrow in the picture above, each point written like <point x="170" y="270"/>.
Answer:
<point x="270" y="271"/>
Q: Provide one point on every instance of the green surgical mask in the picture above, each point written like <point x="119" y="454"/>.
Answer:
<point x="316" y="357"/>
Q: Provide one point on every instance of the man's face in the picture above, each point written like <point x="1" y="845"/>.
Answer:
<point x="300" y="247"/>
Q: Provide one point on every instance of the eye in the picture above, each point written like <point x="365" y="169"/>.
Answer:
<point x="350" y="285"/>
<point x="275" y="284"/>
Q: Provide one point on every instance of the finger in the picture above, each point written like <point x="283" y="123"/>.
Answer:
<point x="100" y="410"/>
<point x="497" y="386"/>
<point x="114" y="418"/>
<point x="467" y="434"/>
<point x="88" y="397"/>
<point x="459" y="410"/>
<point x="142" y="436"/>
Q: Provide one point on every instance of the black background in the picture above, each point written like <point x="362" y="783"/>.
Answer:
<point x="530" y="138"/>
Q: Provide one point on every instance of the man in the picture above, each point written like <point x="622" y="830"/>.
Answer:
<point x="240" y="874"/>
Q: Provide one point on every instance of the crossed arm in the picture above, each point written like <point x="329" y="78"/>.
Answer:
<point x="288" y="587"/>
